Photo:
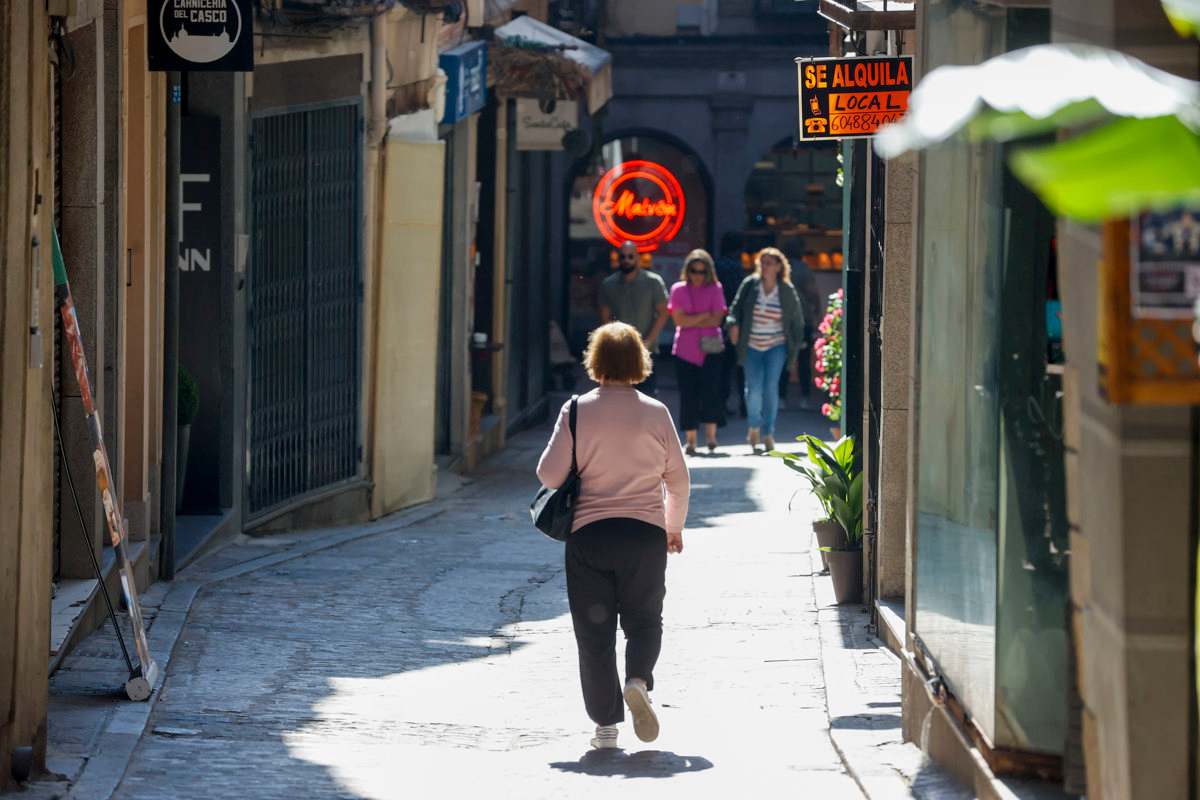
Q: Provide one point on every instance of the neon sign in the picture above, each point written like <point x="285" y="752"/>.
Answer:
<point x="639" y="202"/>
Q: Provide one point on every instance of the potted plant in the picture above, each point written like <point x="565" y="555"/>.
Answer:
<point x="830" y="472"/>
<point x="825" y="483"/>
<point x="845" y="560"/>
<point x="187" y="406"/>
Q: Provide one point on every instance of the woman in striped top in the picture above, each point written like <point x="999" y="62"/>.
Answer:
<point x="768" y="312"/>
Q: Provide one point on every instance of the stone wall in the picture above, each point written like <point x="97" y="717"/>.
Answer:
<point x="1130" y="487"/>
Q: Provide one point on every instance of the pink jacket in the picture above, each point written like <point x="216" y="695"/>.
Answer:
<point x="630" y="461"/>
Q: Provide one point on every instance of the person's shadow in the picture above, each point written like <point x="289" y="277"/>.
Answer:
<point x="616" y="763"/>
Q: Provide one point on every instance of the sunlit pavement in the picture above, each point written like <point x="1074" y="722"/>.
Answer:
<point x="437" y="660"/>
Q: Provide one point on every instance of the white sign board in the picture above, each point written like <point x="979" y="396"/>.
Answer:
<point x="537" y="130"/>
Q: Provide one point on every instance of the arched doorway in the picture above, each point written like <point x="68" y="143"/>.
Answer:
<point x="646" y="187"/>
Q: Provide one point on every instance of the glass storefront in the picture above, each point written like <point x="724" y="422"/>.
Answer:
<point x="794" y="202"/>
<point x="990" y="582"/>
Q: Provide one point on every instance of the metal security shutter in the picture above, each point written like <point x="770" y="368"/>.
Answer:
<point x="305" y="296"/>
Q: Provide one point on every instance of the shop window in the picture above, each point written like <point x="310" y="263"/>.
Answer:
<point x="794" y="202"/>
<point x="990" y="580"/>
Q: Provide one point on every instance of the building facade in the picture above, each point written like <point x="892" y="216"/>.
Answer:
<point x="1047" y="543"/>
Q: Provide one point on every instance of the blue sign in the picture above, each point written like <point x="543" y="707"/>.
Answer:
<point x="466" y="80"/>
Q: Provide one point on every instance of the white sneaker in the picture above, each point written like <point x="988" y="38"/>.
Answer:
<point x="645" y="722"/>
<point x="605" y="738"/>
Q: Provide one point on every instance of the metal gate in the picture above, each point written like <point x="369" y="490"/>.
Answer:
<point x="304" y="304"/>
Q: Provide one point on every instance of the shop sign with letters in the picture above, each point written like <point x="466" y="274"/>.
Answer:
<point x="466" y="80"/>
<point x="852" y="98"/>
<point x="542" y="127"/>
<point x="640" y="202"/>
<point x="193" y="35"/>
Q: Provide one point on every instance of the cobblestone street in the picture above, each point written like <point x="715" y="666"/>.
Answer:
<point x="434" y="657"/>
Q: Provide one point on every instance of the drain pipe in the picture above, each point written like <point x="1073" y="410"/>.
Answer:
<point x="377" y="125"/>
<point x="168" y="489"/>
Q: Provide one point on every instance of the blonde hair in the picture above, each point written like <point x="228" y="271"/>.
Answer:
<point x="774" y="252"/>
<point x="617" y="354"/>
<point x="704" y="258"/>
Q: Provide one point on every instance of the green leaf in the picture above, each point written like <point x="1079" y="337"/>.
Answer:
<point x="1004" y="126"/>
<point x="843" y="451"/>
<point x="854" y="499"/>
<point x="813" y="455"/>
<point x="1034" y="90"/>
<point x="1184" y="16"/>
<point x="1125" y="167"/>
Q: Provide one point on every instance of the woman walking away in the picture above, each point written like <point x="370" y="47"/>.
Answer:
<point x="698" y="308"/>
<point x="767" y="327"/>
<point x="632" y="503"/>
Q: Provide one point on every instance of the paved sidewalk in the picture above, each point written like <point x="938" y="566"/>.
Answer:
<point x="430" y="654"/>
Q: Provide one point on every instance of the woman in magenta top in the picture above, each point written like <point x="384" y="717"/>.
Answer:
<point x="697" y="306"/>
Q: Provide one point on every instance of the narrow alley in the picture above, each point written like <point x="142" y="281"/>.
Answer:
<point x="432" y="655"/>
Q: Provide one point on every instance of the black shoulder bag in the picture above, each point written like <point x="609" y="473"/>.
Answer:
<point x="553" y="510"/>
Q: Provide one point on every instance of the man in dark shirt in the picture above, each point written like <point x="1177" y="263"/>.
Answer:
<point x="637" y="297"/>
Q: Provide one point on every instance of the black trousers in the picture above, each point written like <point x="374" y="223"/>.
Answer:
<point x="699" y="392"/>
<point x="616" y="568"/>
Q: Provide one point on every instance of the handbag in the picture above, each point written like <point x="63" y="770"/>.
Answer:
<point x="710" y="345"/>
<point x="553" y="510"/>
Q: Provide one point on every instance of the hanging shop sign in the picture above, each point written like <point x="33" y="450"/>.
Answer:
<point x="466" y="80"/>
<point x="852" y="98"/>
<point x="542" y="126"/>
<point x="200" y="35"/>
<point x="640" y="202"/>
<point x="1148" y="282"/>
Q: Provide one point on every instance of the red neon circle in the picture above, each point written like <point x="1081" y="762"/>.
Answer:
<point x="617" y="177"/>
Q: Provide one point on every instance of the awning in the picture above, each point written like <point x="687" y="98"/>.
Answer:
<point x="532" y="59"/>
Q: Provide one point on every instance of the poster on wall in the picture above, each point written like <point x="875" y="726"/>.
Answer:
<point x="852" y="98"/>
<point x="1165" y="259"/>
<point x="542" y="127"/>
<point x="200" y="35"/>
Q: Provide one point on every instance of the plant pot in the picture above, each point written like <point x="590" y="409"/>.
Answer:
<point x="829" y="534"/>
<point x="835" y="431"/>
<point x="846" y="569"/>
<point x="181" y="459"/>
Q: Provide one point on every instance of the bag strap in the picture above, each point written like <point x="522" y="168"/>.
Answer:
<point x="574" y="412"/>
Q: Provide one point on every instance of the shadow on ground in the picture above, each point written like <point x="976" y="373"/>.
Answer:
<point x="642" y="764"/>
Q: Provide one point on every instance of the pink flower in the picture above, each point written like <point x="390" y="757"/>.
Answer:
<point x="819" y="382"/>
<point x="837" y="312"/>
<point x="841" y="293"/>
<point x="820" y="343"/>
<point x="827" y="409"/>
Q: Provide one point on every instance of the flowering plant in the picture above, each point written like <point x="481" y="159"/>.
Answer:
<point x="829" y="350"/>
